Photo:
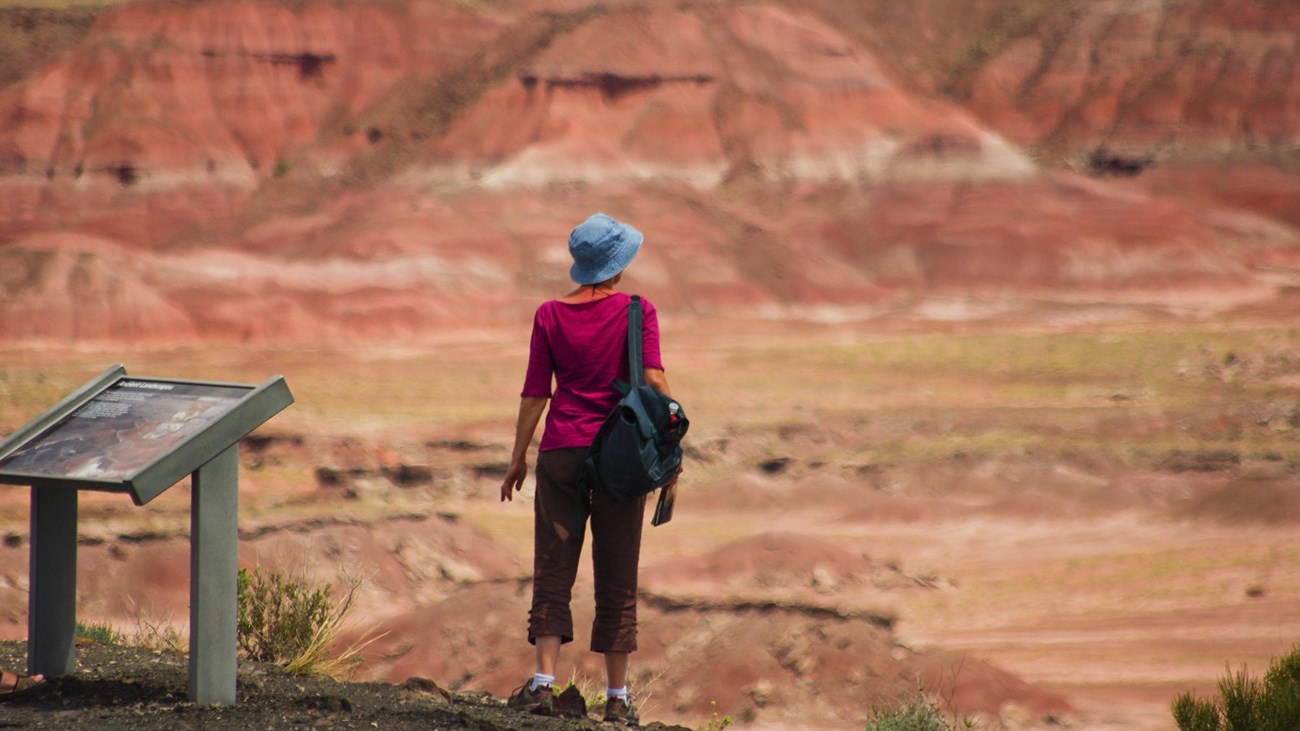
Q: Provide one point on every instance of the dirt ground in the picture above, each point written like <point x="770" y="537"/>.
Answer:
<point x="123" y="688"/>
<point x="1040" y="527"/>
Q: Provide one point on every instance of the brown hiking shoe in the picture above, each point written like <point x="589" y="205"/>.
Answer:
<point x="570" y="703"/>
<point x="618" y="710"/>
<point x="539" y="701"/>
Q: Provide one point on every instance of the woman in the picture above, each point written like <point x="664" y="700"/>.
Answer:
<point x="581" y="341"/>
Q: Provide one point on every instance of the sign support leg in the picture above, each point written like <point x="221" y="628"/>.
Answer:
<point x="52" y="583"/>
<point x="214" y="536"/>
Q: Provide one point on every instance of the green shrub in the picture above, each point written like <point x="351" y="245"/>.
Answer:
<point x="285" y="621"/>
<point x="1246" y="703"/>
<point x="914" y="713"/>
<point x="1279" y="706"/>
<point x="1192" y="714"/>
<point x="1284" y="669"/>
<point x="1238" y="697"/>
<point x="100" y="632"/>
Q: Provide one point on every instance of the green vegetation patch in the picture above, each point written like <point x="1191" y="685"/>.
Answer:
<point x="1247" y="703"/>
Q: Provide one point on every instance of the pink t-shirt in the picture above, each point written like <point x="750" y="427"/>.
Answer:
<point x="584" y="346"/>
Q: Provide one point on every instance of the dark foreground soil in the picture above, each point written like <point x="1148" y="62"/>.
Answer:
<point x="119" y="688"/>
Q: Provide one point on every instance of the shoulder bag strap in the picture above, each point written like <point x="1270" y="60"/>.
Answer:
<point x="636" y="372"/>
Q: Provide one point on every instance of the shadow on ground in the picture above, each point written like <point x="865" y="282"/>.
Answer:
<point x="118" y="688"/>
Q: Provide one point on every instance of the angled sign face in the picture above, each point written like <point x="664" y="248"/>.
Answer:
<point x="136" y="435"/>
<point x="123" y="429"/>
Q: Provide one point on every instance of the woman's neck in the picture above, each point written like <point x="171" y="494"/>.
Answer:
<point x="588" y="292"/>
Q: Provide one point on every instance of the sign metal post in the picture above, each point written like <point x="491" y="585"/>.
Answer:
<point x="214" y="534"/>
<point x="52" y="586"/>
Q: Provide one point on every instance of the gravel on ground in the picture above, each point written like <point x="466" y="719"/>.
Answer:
<point x="128" y="688"/>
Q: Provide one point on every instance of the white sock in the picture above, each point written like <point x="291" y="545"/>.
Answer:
<point x="620" y="693"/>
<point x="541" y="679"/>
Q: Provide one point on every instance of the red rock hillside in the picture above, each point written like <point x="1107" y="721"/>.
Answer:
<point x="250" y="170"/>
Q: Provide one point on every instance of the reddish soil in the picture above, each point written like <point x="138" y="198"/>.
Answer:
<point x="807" y="574"/>
<point x="383" y="188"/>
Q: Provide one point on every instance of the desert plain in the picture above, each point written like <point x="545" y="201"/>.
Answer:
<point x="1040" y="526"/>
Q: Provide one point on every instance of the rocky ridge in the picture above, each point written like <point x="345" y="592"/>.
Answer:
<point x="247" y="170"/>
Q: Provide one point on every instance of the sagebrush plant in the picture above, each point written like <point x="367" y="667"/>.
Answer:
<point x="154" y="633"/>
<point x="643" y="690"/>
<point x="915" y="712"/>
<point x="101" y="632"/>
<point x="918" y="711"/>
<point x="285" y="620"/>
<point x="158" y="635"/>
<point x="1247" y="703"/>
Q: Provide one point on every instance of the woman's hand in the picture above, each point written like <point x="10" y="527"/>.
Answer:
<point x="514" y="479"/>
<point x="673" y="482"/>
<point x="530" y="412"/>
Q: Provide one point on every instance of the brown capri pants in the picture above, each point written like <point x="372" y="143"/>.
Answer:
<point x="559" y="526"/>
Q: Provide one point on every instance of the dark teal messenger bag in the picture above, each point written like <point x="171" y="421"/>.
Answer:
<point x="638" y="448"/>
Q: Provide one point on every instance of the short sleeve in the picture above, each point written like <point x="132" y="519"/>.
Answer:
<point x="650" y="357"/>
<point x="541" y="364"/>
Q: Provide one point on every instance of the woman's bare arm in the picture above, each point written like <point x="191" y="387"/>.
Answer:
<point x="656" y="378"/>
<point x="531" y="409"/>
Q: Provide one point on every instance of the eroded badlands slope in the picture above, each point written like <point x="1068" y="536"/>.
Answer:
<point x="252" y="170"/>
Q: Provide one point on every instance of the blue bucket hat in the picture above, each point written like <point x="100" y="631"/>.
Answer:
<point x="601" y="247"/>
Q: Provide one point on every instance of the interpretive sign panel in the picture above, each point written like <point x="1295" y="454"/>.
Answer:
<point x="136" y="435"/>
<point x="123" y="429"/>
<point x="140" y="436"/>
